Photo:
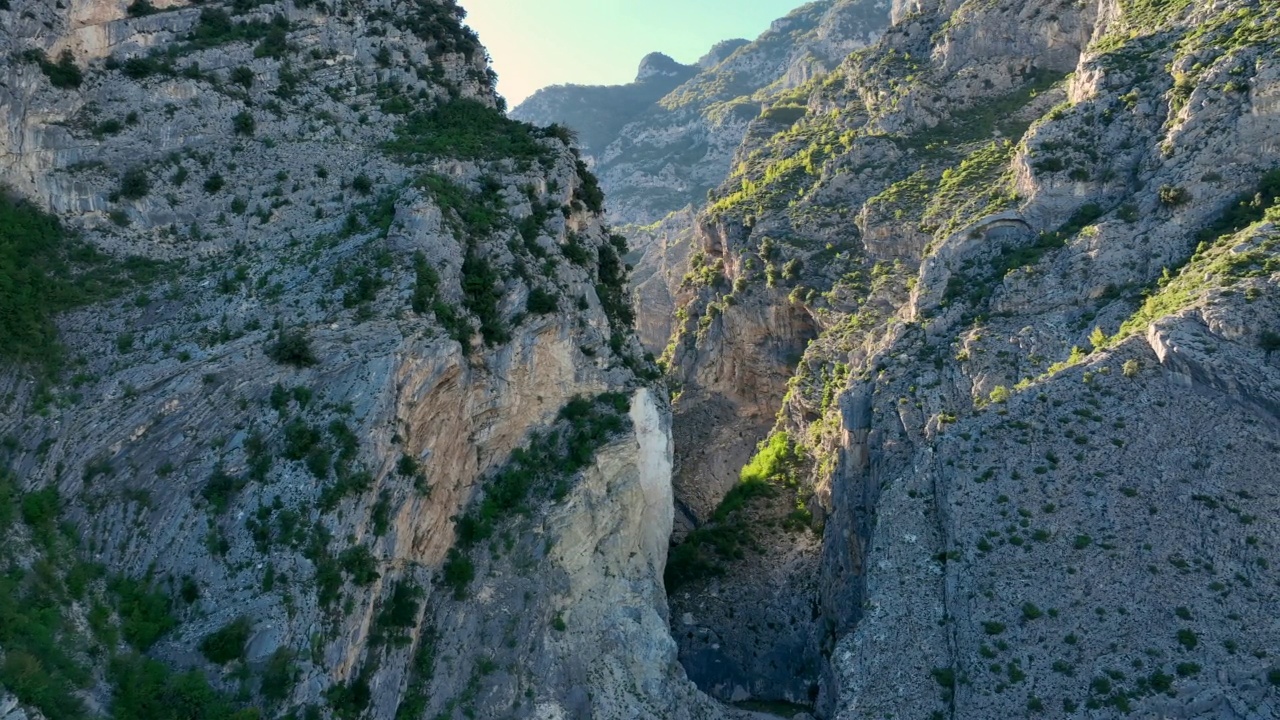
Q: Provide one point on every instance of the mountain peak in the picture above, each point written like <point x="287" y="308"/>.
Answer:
<point x="657" y="64"/>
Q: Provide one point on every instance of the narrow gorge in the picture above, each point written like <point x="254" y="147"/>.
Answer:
<point x="915" y="359"/>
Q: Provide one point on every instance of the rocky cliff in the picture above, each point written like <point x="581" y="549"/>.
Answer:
<point x="995" y="299"/>
<point x="341" y="413"/>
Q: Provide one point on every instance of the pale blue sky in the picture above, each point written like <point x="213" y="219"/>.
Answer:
<point x="535" y="43"/>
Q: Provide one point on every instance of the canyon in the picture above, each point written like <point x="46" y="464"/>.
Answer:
<point x="914" y="359"/>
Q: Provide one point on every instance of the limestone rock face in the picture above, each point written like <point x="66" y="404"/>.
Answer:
<point x="1002" y="280"/>
<point x="355" y="334"/>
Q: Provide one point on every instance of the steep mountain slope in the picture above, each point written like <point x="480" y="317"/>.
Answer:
<point x="1002" y="299"/>
<point x="657" y="168"/>
<point x="343" y="411"/>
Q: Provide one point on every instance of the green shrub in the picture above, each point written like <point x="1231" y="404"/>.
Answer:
<point x="350" y="700"/>
<point x="774" y="460"/>
<point x="440" y="24"/>
<point x="144" y="689"/>
<point x="141" y="8"/>
<point x="360" y="564"/>
<point x="227" y="644"/>
<point x="362" y="184"/>
<point x="420" y="672"/>
<point x="280" y="675"/>
<point x="1269" y="341"/>
<point x="64" y="74"/>
<point x="40" y="513"/>
<point x="482" y="295"/>
<point x="542" y="302"/>
<point x="458" y="573"/>
<point x="214" y="183"/>
<point x="276" y="42"/>
<point x="426" y="285"/>
<point x="612" y="290"/>
<point x="543" y="467"/>
<point x="945" y="677"/>
<point x="139" y="68"/>
<point x="134" y="184"/>
<point x="1246" y="209"/>
<point x="1187" y="638"/>
<point x="144" y="611"/>
<point x="293" y="348"/>
<point x="398" y="614"/>
<point x="107" y="127"/>
<point x="589" y="192"/>
<point x="243" y="123"/>
<point x="221" y="488"/>
<point x="1173" y="196"/>
<point x="300" y="439"/>
<point x="242" y="75"/>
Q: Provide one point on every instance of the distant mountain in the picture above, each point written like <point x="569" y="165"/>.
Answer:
<point x="660" y="143"/>
<point x="599" y="112"/>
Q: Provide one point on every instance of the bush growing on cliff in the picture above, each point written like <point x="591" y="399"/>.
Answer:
<point x="243" y="123"/>
<point x="542" y="469"/>
<point x="458" y="573"/>
<point x="227" y="643"/>
<point x="134" y="184"/>
<point x="1173" y="196"/>
<point x="141" y="8"/>
<point x="541" y="302"/>
<point x="465" y="129"/>
<point x="727" y="535"/>
<point x="481" y="295"/>
<point x="441" y="24"/>
<point x="1269" y="341"/>
<point x="293" y="348"/>
<point x="63" y="74"/>
<point x="773" y="460"/>
<point x="589" y="192"/>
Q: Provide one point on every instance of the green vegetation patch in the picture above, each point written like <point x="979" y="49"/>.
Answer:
<point x="227" y="643"/>
<point x="539" y="471"/>
<point x="1222" y="263"/>
<point x="469" y="130"/>
<point x="543" y="468"/>
<point x="63" y="74"/>
<point x="49" y="657"/>
<point x="726" y="536"/>
<point x="45" y="270"/>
